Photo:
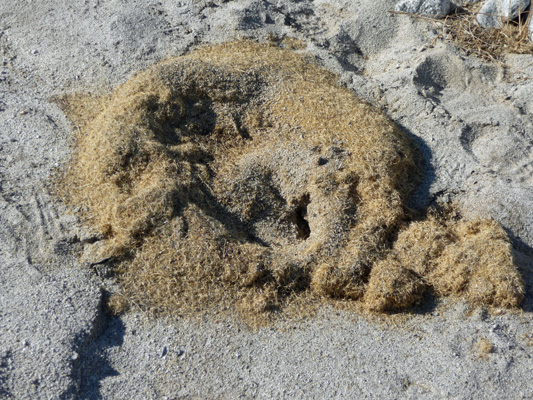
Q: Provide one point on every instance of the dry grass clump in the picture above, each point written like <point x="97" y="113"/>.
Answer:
<point x="527" y="339"/>
<point x="471" y="259"/>
<point x="484" y="347"/>
<point x="243" y="176"/>
<point x="489" y="44"/>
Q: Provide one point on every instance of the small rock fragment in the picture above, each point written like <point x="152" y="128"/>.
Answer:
<point x="426" y="8"/>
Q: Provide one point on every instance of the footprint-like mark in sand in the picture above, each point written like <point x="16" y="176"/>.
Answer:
<point x="506" y="150"/>
<point x="429" y="77"/>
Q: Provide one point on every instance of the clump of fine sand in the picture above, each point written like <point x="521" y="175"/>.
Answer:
<point x="244" y="175"/>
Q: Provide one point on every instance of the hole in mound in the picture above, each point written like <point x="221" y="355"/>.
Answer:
<point x="242" y="176"/>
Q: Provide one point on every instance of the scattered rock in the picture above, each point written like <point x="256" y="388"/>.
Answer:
<point x="426" y="8"/>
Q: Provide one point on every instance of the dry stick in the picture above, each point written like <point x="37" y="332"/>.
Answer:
<point x="417" y="16"/>
<point x="524" y="31"/>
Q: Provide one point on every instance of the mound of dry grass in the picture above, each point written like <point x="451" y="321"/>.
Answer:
<point x="243" y="176"/>
<point x="471" y="259"/>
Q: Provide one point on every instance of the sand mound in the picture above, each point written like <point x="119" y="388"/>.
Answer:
<point x="243" y="174"/>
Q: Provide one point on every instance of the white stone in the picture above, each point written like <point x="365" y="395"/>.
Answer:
<point x="427" y="8"/>
<point x="488" y="16"/>
<point x="512" y="8"/>
<point x="495" y="13"/>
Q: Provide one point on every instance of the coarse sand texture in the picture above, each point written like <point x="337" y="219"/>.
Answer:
<point x="243" y="176"/>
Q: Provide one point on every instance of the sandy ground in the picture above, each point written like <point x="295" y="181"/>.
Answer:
<point x="472" y="120"/>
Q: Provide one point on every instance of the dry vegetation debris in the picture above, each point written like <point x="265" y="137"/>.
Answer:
<point x="484" y="348"/>
<point x="464" y="31"/>
<point x="243" y="176"/>
<point x="490" y="44"/>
